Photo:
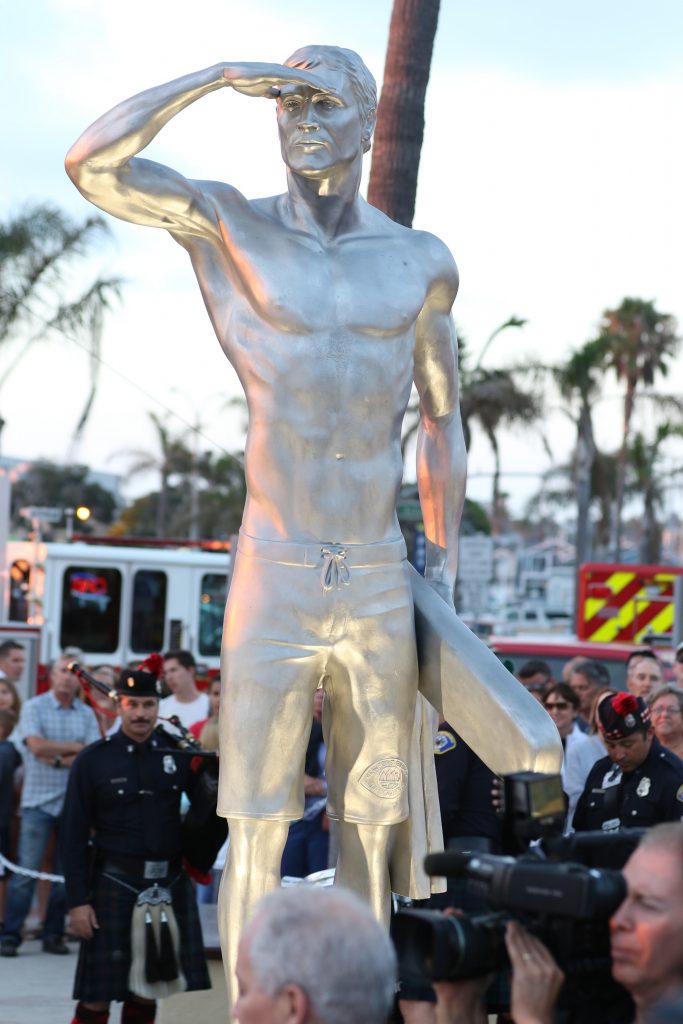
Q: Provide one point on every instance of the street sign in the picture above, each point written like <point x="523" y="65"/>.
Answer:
<point x="46" y="513"/>
<point x="475" y="559"/>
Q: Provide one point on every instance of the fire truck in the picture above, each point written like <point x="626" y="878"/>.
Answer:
<point x="619" y="603"/>
<point x="115" y="602"/>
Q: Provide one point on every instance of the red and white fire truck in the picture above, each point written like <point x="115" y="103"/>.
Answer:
<point x="115" y="602"/>
<point x="619" y="603"/>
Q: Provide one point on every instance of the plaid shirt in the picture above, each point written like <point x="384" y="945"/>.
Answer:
<point x="45" y="785"/>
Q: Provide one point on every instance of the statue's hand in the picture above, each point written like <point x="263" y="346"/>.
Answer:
<point x="267" y="79"/>
<point x="444" y="590"/>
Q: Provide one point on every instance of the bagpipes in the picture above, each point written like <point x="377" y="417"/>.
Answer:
<point x="203" y="831"/>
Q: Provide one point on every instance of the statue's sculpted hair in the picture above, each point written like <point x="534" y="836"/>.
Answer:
<point x="336" y="58"/>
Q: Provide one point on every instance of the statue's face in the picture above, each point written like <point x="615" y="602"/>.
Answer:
<point x="319" y="131"/>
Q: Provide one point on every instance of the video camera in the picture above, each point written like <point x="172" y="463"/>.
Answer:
<point x="566" y="903"/>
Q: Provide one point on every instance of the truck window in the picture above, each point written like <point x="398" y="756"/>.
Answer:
<point x="214" y="593"/>
<point x="19" y="590"/>
<point x="91" y="608"/>
<point x="149" y="611"/>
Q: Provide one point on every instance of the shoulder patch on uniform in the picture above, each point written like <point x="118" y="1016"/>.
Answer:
<point x="444" y="742"/>
<point x="679" y="794"/>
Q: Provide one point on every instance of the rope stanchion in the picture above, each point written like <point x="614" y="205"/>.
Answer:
<point x="41" y="876"/>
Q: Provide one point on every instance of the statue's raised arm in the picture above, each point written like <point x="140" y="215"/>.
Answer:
<point x="103" y="162"/>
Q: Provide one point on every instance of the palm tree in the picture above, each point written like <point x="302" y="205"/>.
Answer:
<point x="638" y="343"/>
<point x="578" y="381"/>
<point x="400" y="115"/>
<point x="173" y="457"/>
<point x="647" y="475"/>
<point x="494" y="399"/>
<point x="38" y="249"/>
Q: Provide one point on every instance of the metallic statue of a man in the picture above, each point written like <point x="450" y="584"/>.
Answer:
<point x="328" y="311"/>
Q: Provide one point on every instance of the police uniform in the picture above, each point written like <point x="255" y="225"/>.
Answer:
<point x="468" y="817"/>
<point x="122" y="835"/>
<point x="650" y="794"/>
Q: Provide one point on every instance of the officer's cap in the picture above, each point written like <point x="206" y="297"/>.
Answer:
<point x="142" y="681"/>
<point x="621" y="715"/>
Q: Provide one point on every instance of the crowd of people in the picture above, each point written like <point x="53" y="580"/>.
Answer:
<point x="622" y="767"/>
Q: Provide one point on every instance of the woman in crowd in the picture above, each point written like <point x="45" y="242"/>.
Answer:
<point x="666" y="712"/>
<point x="9" y="698"/>
<point x="579" y="757"/>
<point x="562" y="704"/>
<point x="206" y="730"/>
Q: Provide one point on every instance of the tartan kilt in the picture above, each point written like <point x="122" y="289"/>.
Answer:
<point x="104" y="960"/>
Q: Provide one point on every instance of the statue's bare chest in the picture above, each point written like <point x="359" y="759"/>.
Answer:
<point x="294" y="285"/>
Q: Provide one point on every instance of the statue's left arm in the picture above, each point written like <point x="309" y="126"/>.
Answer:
<point x="441" y="453"/>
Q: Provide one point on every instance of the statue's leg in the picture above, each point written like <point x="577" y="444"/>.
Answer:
<point x="363" y="865"/>
<point x="251" y="870"/>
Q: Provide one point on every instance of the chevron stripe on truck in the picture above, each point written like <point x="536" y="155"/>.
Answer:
<point x="626" y="603"/>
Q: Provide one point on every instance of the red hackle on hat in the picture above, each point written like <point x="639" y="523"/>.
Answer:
<point x="624" y="704"/>
<point x="153" y="664"/>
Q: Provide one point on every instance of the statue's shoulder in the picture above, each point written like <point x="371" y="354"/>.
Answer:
<point x="427" y="244"/>
<point x="437" y="261"/>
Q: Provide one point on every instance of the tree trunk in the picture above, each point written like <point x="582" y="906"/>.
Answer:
<point x="400" y="115"/>
<point x="651" y="542"/>
<point x="585" y="457"/>
<point x="629" y="399"/>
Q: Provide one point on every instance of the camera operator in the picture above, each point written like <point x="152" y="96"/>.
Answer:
<point x="535" y="985"/>
<point x="639" y="783"/>
<point x="647" y="929"/>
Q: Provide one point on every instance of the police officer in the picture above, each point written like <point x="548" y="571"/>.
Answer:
<point x="129" y="897"/>
<point x="639" y="783"/>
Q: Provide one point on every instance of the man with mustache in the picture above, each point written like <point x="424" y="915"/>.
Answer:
<point x="123" y="838"/>
<point x="639" y="783"/>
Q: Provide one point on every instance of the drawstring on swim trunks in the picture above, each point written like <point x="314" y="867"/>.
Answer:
<point x="335" y="572"/>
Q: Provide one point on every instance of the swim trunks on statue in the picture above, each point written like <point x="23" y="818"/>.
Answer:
<point x="334" y="560"/>
<point x="294" y="618"/>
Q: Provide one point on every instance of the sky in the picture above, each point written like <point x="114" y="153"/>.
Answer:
<point x="551" y="168"/>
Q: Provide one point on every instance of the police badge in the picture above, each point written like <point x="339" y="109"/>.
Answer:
<point x="644" y="786"/>
<point x="169" y="764"/>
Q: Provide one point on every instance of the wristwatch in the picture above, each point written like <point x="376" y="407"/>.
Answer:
<point x="57" y="763"/>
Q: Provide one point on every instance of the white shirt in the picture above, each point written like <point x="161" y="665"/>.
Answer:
<point x="188" y="713"/>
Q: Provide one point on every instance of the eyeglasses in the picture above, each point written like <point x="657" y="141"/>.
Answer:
<point x="664" y="711"/>
<point x="560" y="705"/>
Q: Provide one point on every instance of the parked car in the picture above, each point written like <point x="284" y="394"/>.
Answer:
<point x="557" y="651"/>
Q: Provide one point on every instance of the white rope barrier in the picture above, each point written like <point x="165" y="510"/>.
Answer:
<point x="41" y="876"/>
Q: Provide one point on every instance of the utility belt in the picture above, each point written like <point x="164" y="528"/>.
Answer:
<point x="138" y="867"/>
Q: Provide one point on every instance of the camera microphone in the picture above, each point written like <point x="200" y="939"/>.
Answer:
<point x="452" y="863"/>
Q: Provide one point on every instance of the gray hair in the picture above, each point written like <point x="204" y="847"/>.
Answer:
<point x="668" y="690"/>
<point x="337" y="58"/>
<point x="327" y="942"/>
<point x="594" y="671"/>
<point x="667" y="836"/>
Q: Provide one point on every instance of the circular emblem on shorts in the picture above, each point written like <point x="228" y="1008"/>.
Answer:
<point x="385" y="778"/>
